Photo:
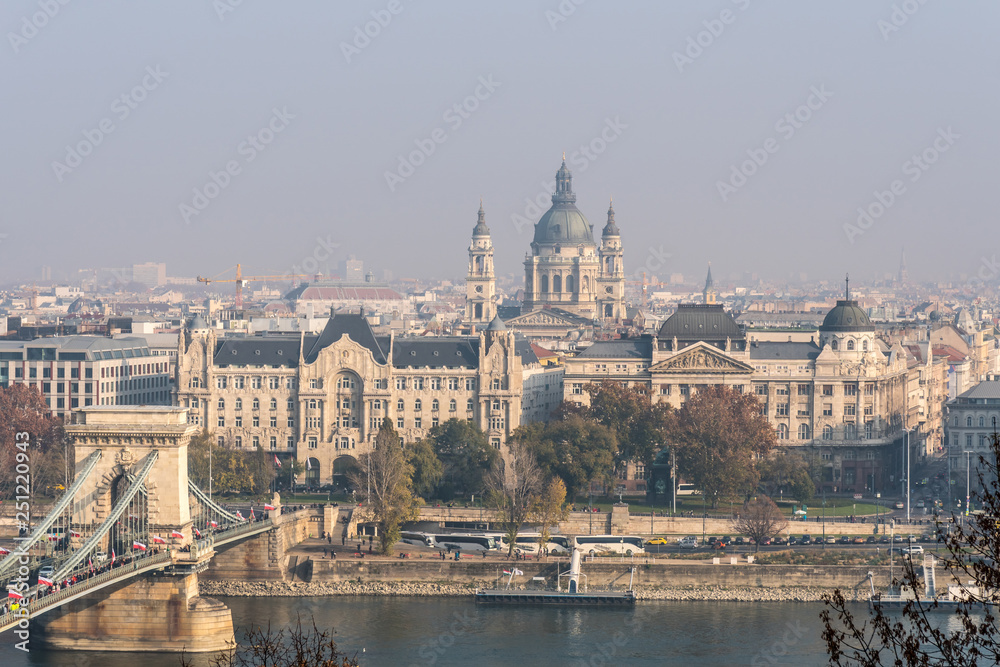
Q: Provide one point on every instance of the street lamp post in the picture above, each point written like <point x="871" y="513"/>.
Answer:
<point x="968" y="465"/>
<point x="908" y="457"/>
<point x="824" y="518"/>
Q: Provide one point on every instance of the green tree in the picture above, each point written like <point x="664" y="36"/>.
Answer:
<point x="577" y="450"/>
<point x="721" y="436"/>
<point x="385" y="481"/>
<point x="549" y="510"/>
<point x="427" y="468"/>
<point x="466" y="456"/>
<point x="640" y="425"/>
<point x="512" y="491"/>
<point x="787" y="474"/>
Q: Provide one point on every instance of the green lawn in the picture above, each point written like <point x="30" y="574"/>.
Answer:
<point x="834" y="506"/>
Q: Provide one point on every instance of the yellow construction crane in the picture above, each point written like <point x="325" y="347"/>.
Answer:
<point x="242" y="280"/>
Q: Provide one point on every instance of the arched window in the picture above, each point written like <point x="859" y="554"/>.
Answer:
<point x="452" y="405"/>
<point x="834" y="344"/>
<point x="850" y="432"/>
<point x="400" y="405"/>
<point x="569" y="284"/>
<point x="256" y="404"/>
<point x="222" y="404"/>
<point x="803" y="431"/>
<point x="850" y="344"/>
<point x="982" y="421"/>
<point x="417" y="405"/>
<point x="864" y="345"/>
<point x="782" y="432"/>
<point x="544" y="283"/>
<point x="556" y="284"/>
<point x="828" y="432"/>
<point x="239" y="404"/>
<point x="312" y="403"/>
<point x="470" y="405"/>
<point x="435" y="405"/>
<point x="274" y="404"/>
<point x="968" y="420"/>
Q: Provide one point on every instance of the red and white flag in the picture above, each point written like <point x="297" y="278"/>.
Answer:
<point x="276" y="461"/>
<point x="73" y="533"/>
<point x="252" y="517"/>
<point x="45" y="581"/>
<point x="4" y="552"/>
<point x="139" y="545"/>
<point x="269" y="507"/>
<point x="11" y="593"/>
<point x="309" y="465"/>
<point x="238" y="516"/>
<point x="197" y="532"/>
<point x="54" y="538"/>
<point x="90" y="562"/>
<point x="158" y="540"/>
<point x="178" y="534"/>
<point x="112" y="555"/>
<point x="215" y="525"/>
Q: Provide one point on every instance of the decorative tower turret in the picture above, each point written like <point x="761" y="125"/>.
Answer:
<point x="611" y="276"/>
<point x="480" y="284"/>
<point x="710" y="294"/>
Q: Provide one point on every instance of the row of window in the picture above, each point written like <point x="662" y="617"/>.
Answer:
<point x="437" y="384"/>
<point x="851" y="345"/>
<point x="969" y="421"/>
<point x="805" y="433"/>
<point x="850" y="389"/>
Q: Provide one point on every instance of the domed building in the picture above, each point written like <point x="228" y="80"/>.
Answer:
<point x="837" y="393"/>
<point x="565" y="269"/>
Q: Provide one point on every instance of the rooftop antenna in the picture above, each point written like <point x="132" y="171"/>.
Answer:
<point x="847" y="282"/>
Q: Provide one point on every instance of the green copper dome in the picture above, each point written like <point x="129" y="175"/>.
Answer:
<point x="564" y="223"/>
<point x="847" y="316"/>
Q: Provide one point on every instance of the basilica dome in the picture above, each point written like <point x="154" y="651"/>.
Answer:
<point x="564" y="222"/>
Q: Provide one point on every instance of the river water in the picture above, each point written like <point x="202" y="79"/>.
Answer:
<point x="450" y="631"/>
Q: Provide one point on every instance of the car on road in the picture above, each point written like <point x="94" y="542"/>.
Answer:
<point x="100" y="557"/>
<point x="858" y="540"/>
<point x="764" y="541"/>
<point x="739" y="541"/>
<point x="871" y="540"/>
<point x="845" y="539"/>
<point x="779" y="541"/>
<point x="46" y="571"/>
<point x="914" y="550"/>
<point x="806" y="539"/>
<point x="712" y="540"/>
<point x="884" y="539"/>
<point x="921" y="503"/>
<point x="831" y="540"/>
<point x="688" y="543"/>
<point x="792" y="540"/>
<point x="657" y="540"/>
<point x="899" y="505"/>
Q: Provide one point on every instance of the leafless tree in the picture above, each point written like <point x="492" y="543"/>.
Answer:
<point x="512" y="490"/>
<point x="758" y="519"/>
<point x="549" y="509"/>
<point x="967" y="635"/>
<point x="292" y="647"/>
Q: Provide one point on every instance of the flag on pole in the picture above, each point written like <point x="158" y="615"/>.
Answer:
<point x="73" y="533"/>
<point x="507" y="572"/>
<point x="238" y="516"/>
<point x="45" y="581"/>
<point x="213" y="524"/>
<point x="4" y="552"/>
<point x="178" y="534"/>
<point x="269" y="507"/>
<point x="309" y="465"/>
<point x="276" y="461"/>
<point x="139" y="545"/>
<point x="517" y="572"/>
<point x="112" y="555"/>
<point x="252" y="517"/>
<point x="197" y="533"/>
<point x="158" y="540"/>
<point x="90" y="562"/>
<point x="11" y="593"/>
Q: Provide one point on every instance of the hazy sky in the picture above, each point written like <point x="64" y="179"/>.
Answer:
<point x="667" y="98"/>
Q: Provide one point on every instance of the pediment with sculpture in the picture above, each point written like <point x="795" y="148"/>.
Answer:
<point x="700" y="359"/>
<point x="544" y="318"/>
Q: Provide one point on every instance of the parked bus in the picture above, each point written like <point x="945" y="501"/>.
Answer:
<point x="416" y="539"/>
<point x="528" y="543"/>
<point x="605" y="544"/>
<point x="462" y="542"/>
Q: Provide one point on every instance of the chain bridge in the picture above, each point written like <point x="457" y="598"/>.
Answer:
<point x="115" y="563"/>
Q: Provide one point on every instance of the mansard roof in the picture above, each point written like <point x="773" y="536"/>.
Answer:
<point x="257" y="351"/>
<point x="626" y="348"/>
<point x="697" y="321"/>
<point x="784" y="350"/>
<point x="435" y="352"/>
<point x="356" y="327"/>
